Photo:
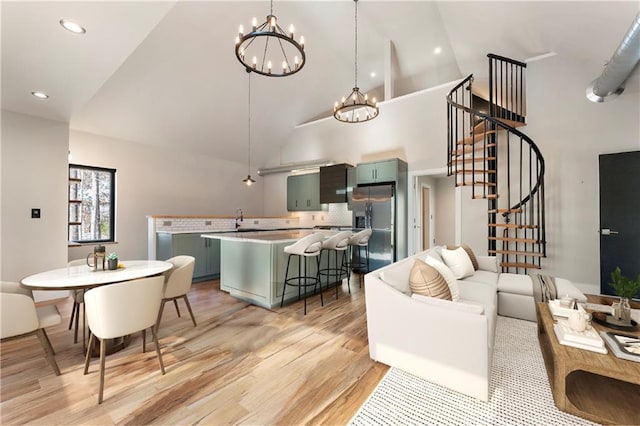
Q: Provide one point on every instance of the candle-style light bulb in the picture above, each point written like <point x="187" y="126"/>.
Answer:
<point x="335" y="106"/>
<point x="343" y="99"/>
<point x="366" y="97"/>
<point x="255" y="62"/>
<point x="272" y="21"/>
<point x="302" y="41"/>
<point x="241" y="30"/>
<point x="296" y="61"/>
<point x="291" y="30"/>
<point x="254" y="24"/>
<point x="374" y="101"/>
<point x="269" y="67"/>
<point x="237" y="40"/>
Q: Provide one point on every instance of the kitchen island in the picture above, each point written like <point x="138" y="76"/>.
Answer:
<point x="253" y="264"/>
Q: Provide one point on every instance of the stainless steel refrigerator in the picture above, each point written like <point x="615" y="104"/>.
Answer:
<point x="374" y="207"/>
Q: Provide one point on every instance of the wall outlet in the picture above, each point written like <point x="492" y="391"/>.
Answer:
<point x="166" y="223"/>
<point x="207" y="223"/>
<point x="255" y="222"/>
<point x="35" y="213"/>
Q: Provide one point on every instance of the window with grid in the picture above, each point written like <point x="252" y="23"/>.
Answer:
<point x="92" y="193"/>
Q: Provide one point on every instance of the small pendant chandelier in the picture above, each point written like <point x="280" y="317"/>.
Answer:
<point x="248" y="181"/>
<point x="257" y="50"/>
<point x="356" y="107"/>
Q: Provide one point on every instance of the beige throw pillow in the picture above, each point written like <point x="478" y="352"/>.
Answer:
<point x="447" y="274"/>
<point x="427" y="281"/>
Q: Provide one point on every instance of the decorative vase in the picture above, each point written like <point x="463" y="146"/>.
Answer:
<point x="112" y="264"/>
<point x="622" y="310"/>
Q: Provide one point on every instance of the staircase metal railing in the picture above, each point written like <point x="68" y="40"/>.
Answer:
<point x="500" y="163"/>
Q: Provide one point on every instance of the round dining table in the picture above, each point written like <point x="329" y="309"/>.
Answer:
<point x="84" y="277"/>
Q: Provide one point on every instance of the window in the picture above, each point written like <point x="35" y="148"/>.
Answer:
<point x="92" y="201"/>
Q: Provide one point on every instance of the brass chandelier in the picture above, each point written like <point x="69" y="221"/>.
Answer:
<point x="258" y="49"/>
<point x="356" y="107"/>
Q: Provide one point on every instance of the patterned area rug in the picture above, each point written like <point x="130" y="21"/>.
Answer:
<point x="519" y="392"/>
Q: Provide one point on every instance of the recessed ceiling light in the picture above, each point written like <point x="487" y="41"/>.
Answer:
<point x="72" y="26"/>
<point x="40" y="95"/>
<point x="373" y="74"/>
<point x="437" y="50"/>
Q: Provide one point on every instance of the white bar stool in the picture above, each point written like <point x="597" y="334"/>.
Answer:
<point x="337" y="243"/>
<point x="358" y="242"/>
<point x="304" y="248"/>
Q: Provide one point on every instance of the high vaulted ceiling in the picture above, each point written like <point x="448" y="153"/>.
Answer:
<point x="164" y="73"/>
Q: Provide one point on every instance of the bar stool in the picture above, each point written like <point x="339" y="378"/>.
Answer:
<point x="304" y="248"/>
<point x="358" y="242"/>
<point x="337" y="243"/>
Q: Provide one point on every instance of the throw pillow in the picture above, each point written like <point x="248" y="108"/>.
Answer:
<point x="427" y="281"/>
<point x="470" y="252"/>
<point x="447" y="274"/>
<point x="458" y="261"/>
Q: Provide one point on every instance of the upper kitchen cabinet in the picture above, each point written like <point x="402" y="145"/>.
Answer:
<point x="303" y="192"/>
<point x="380" y="171"/>
<point x="333" y="183"/>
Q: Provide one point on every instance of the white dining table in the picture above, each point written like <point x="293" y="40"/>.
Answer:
<point x="83" y="276"/>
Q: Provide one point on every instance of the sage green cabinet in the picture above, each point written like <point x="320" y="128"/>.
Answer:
<point x="303" y="192"/>
<point x="206" y="252"/>
<point x="378" y="172"/>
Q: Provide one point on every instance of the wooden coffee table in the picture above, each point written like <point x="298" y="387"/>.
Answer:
<point x="598" y="387"/>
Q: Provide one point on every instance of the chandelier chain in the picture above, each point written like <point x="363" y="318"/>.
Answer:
<point x="356" y="43"/>
<point x="249" y="122"/>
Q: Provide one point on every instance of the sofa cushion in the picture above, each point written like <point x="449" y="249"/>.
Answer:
<point x="435" y="252"/>
<point x="487" y="263"/>
<point x="484" y="277"/>
<point x="426" y="280"/>
<point x="458" y="261"/>
<point x="515" y="283"/>
<point x="447" y="274"/>
<point x="567" y="288"/>
<point x="397" y="275"/>
<point x="473" y="308"/>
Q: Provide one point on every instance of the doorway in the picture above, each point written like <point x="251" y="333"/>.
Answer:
<point x="426" y="217"/>
<point x="619" y="216"/>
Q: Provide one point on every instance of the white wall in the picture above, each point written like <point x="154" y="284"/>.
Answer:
<point x="157" y="181"/>
<point x="34" y="175"/>
<point x="570" y="131"/>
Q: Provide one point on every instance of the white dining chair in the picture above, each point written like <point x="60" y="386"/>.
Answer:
<point x="19" y="317"/>
<point x="78" y="302"/>
<point x="177" y="285"/>
<point x="121" y="309"/>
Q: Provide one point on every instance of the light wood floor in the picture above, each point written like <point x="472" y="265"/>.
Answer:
<point x="241" y="365"/>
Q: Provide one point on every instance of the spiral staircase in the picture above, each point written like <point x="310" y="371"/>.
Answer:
<point x="500" y="164"/>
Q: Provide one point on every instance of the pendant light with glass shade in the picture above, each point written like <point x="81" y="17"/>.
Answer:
<point x="356" y="107"/>
<point x="269" y="50"/>
<point x="248" y="180"/>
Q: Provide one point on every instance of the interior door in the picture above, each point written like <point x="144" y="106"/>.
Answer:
<point x="619" y="216"/>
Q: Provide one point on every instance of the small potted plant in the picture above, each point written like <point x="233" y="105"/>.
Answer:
<point x="625" y="288"/>
<point x="112" y="261"/>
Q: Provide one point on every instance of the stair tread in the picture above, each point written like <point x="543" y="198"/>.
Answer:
<point x="514" y="225"/>
<point x="476" y="183"/>
<point x="469" y="149"/>
<point x="459" y="159"/>
<point x="465" y="171"/>
<point x="490" y="196"/>
<point x="516" y="252"/>
<point x="481" y="126"/>
<point x="519" y="265"/>
<point x="505" y="211"/>
<point x="515" y="239"/>
<point x="476" y="137"/>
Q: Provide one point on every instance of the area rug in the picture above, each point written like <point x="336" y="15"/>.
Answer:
<point x="519" y="391"/>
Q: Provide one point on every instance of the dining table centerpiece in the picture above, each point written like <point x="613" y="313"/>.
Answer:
<point x="112" y="261"/>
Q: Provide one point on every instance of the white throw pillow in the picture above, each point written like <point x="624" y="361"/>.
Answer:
<point x="459" y="262"/>
<point x="447" y="274"/>
<point x="397" y="276"/>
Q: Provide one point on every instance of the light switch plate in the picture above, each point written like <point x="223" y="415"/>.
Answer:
<point x="35" y="213"/>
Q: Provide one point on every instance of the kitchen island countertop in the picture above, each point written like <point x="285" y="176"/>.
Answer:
<point x="268" y="237"/>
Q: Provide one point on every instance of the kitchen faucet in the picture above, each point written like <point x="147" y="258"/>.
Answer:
<point x="240" y="216"/>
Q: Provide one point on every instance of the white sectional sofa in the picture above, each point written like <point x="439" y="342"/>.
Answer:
<point x="446" y="342"/>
